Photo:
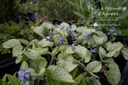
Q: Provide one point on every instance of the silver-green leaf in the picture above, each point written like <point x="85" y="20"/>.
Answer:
<point x="113" y="74"/>
<point x="60" y="74"/>
<point x="125" y="53"/>
<point x="83" y="53"/>
<point x="94" y="66"/>
<point x="68" y="65"/>
<point x="102" y="52"/>
<point x="17" y="50"/>
<point x="11" y="43"/>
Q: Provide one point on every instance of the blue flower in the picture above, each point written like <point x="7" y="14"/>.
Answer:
<point x="73" y="46"/>
<point x="48" y="37"/>
<point x="61" y="27"/>
<point x="112" y="29"/>
<point x="89" y="43"/>
<point x="26" y="82"/>
<point x="27" y="75"/>
<point x="69" y="30"/>
<point x="109" y="33"/>
<point x="60" y="40"/>
<point x="21" y="75"/>
<point x="115" y="34"/>
<point x="27" y="71"/>
<point x="93" y="50"/>
<point x="19" y="72"/>
<point x="87" y="34"/>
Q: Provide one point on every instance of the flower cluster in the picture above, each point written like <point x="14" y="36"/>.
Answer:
<point x="87" y="34"/>
<point x="112" y="32"/>
<point x="24" y="75"/>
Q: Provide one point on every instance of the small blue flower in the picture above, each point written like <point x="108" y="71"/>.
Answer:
<point x="48" y="37"/>
<point x="89" y="43"/>
<point x="112" y="29"/>
<point x="93" y="50"/>
<point x="69" y="30"/>
<point x="61" y="27"/>
<point x="20" y="72"/>
<point x="115" y="34"/>
<point x="87" y="34"/>
<point x="27" y="75"/>
<point x="26" y="82"/>
<point x="27" y="71"/>
<point x="109" y="33"/>
<point x="73" y="46"/>
<point x="60" y="40"/>
<point x="21" y="75"/>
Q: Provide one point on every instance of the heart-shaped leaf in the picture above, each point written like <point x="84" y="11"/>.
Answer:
<point x="25" y="42"/>
<point x="39" y="30"/>
<point x="81" y="80"/>
<point x="98" y="40"/>
<point x="93" y="81"/>
<point x="113" y="74"/>
<point x="94" y="66"/>
<point x="102" y="52"/>
<point x="11" y="43"/>
<point x="45" y="43"/>
<point x="114" y="49"/>
<point x="41" y="51"/>
<point x="24" y="65"/>
<point x="39" y="73"/>
<point x="116" y="46"/>
<point x="83" y="53"/>
<point x="48" y="25"/>
<point x="32" y="54"/>
<point x="68" y="65"/>
<point x="17" y="50"/>
<point x="60" y="74"/>
<point x="125" y="53"/>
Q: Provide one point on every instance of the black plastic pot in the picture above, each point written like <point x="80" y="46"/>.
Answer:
<point x="124" y="77"/>
<point x="7" y="65"/>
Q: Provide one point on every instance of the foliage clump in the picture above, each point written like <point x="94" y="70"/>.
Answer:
<point x="68" y="55"/>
